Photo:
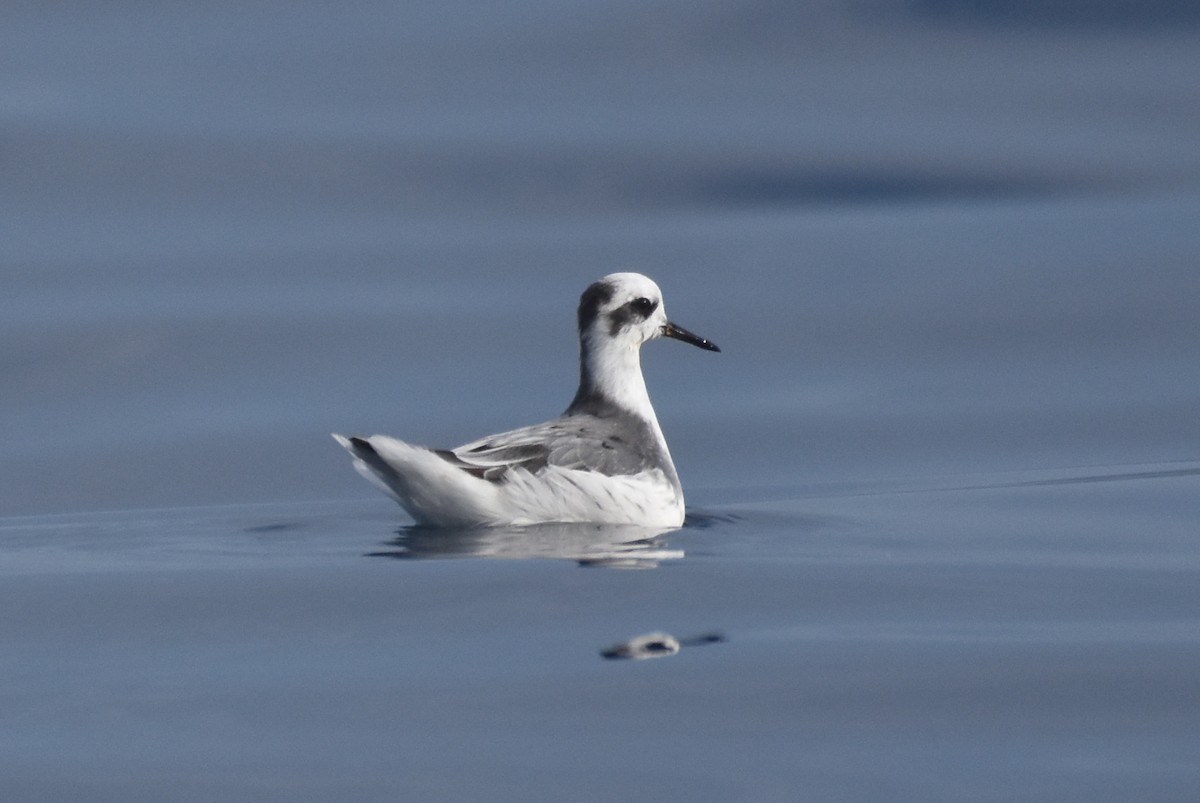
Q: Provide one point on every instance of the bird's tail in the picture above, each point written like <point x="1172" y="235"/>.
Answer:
<point x="432" y="490"/>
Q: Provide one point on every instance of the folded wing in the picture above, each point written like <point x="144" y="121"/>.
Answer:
<point x="577" y="442"/>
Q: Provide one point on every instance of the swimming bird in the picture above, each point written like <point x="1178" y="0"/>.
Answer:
<point x="604" y="460"/>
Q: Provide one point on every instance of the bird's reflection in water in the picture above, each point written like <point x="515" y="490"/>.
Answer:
<point x="603" y="545"/>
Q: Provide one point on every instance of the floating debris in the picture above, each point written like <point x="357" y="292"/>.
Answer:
<point x="657" y="645"/>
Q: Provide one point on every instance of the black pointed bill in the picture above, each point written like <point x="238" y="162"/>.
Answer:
<point x="679" y="333"/>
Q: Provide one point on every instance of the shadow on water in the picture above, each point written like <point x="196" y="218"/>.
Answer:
<point x="705" y="520"/>
<point x="623" y="547"/>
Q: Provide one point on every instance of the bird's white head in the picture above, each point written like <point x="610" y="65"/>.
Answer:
<point x="626" y="310"/>
<point x="616" y="316"/>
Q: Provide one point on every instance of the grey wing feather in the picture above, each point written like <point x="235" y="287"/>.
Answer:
<point x="580" y="442"/>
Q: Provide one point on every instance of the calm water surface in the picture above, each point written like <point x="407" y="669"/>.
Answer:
<point x="943" y="479"/>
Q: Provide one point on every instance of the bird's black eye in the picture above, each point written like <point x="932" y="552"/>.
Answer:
<point x="643" y="306"/>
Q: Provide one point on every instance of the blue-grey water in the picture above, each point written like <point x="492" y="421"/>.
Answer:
<point x="943" y="479"/>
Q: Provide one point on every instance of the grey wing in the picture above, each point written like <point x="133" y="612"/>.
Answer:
<point x="578" y="442"/>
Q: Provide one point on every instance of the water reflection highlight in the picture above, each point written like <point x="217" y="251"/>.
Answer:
<point x="609" y="546"/>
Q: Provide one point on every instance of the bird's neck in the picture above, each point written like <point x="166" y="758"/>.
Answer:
<point x="611" y="372"/>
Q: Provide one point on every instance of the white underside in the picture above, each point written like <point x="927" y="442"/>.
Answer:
<point x="434" y="491"/>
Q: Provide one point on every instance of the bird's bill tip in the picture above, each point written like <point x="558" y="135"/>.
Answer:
<point x="679" y="333"/>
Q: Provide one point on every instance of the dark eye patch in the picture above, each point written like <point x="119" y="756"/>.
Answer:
<point x="643" y="306"/>
<point x="637" y="310"/>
